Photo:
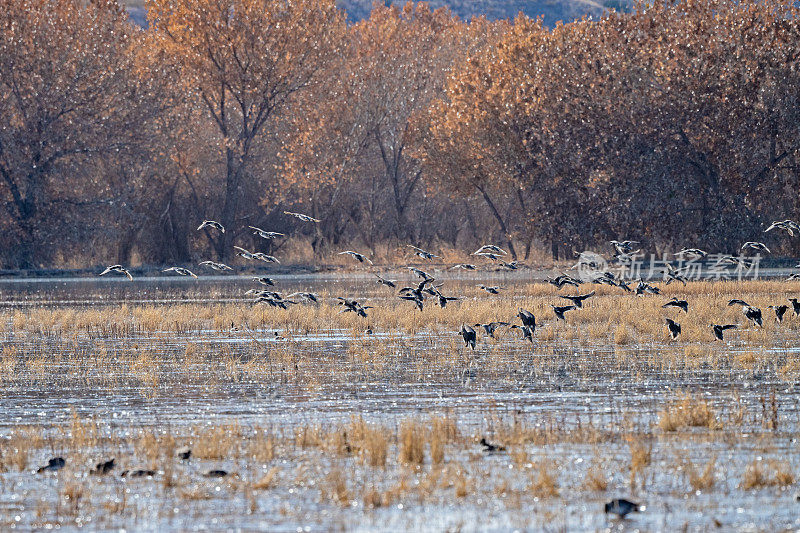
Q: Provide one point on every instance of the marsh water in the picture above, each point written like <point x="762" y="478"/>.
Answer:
<point x="205" y="376"/>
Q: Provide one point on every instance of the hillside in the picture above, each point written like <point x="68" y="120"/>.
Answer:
<point x="551" y="10"/>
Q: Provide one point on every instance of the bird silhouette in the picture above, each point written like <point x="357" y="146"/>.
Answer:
<point x="559" y="311"/>
<point x="117" y="269"/>
<point x="579" y="299"/>
<point x="622" y="507"/>
<point x="674" y="328"/>
<point x="719" y="329"/>
<point x="469" y="335"/>
<point x="211" y="224"/>
<point x="680" y="304"/>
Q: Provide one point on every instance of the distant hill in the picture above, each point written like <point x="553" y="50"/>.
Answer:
<point x="552" y="10"/>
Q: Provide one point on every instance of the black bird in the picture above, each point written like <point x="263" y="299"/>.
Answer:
<point x="184" y="453"/>
<point x="795" y="306"/>
<point x="527" y="332"/>
<point x="389" y="283"/>
<point x="753" y="314"/>
<point x="138" y="473"/>
<point x="564" y="279"/>
<point x="444" y="299"/>
<point x="419" y="302"/>
<point x="215" y="473"/>
<point x="621" y="507"/>
<point x="559" y="311"/>
<point x="718" y="329"/>
<point x="489" y="447"/>
<point x="104" y="467"/>
<point x="265" y="281"/>
<point x="353" y="306"/>
<point x="674" y="328"/>
<point x="470" y="337"/>
<point x="53" y="465"/>
<point x="780" y="310"/>
<point x="527" y="318"/>
<point x="646" y="288"/>
<point x="491" y="327"/>
<point x="680" y="304"/>
<point x="736" y="301"/>
<point x="578" y="299"/>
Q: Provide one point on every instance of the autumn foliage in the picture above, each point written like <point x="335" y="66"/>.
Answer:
<point x="675" y="124"/>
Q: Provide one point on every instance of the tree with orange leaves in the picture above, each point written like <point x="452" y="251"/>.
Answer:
<point x="71" y="93"/>
<point x="245" y="61"/>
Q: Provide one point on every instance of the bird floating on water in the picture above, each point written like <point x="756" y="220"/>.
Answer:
<point x="622" y="507"/>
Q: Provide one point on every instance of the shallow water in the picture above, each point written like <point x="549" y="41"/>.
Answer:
<point x="563" y="384"/>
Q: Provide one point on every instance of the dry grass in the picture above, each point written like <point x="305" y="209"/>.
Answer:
<point x="687" y="411"/>
<point x="759" y="475"/>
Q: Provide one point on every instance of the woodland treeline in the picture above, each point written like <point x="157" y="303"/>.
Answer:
<point x="674" y="124"/>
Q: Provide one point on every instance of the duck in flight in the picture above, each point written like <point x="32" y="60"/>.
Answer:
<point x="560" y="310"/>
<point x="719" y="329"/>
<point x="181" y="271"/>
<point x="469" y="335"/>
<point x="301" y="216"/>
<point x="680" y="304"/>
<point x="361" y="257"/>
<point x="215" y="265"/>
<point x="266" y="234"/>
<point x="674" y="328"/>
<point x="117" y="269"/>
<point x="211" y="224"/>
<point x="422" y="253"/>
<point x="579" y="299"/>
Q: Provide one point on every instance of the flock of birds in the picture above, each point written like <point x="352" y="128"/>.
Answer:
<point x="593" y="271"/>
<point x="591" y="263"/>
